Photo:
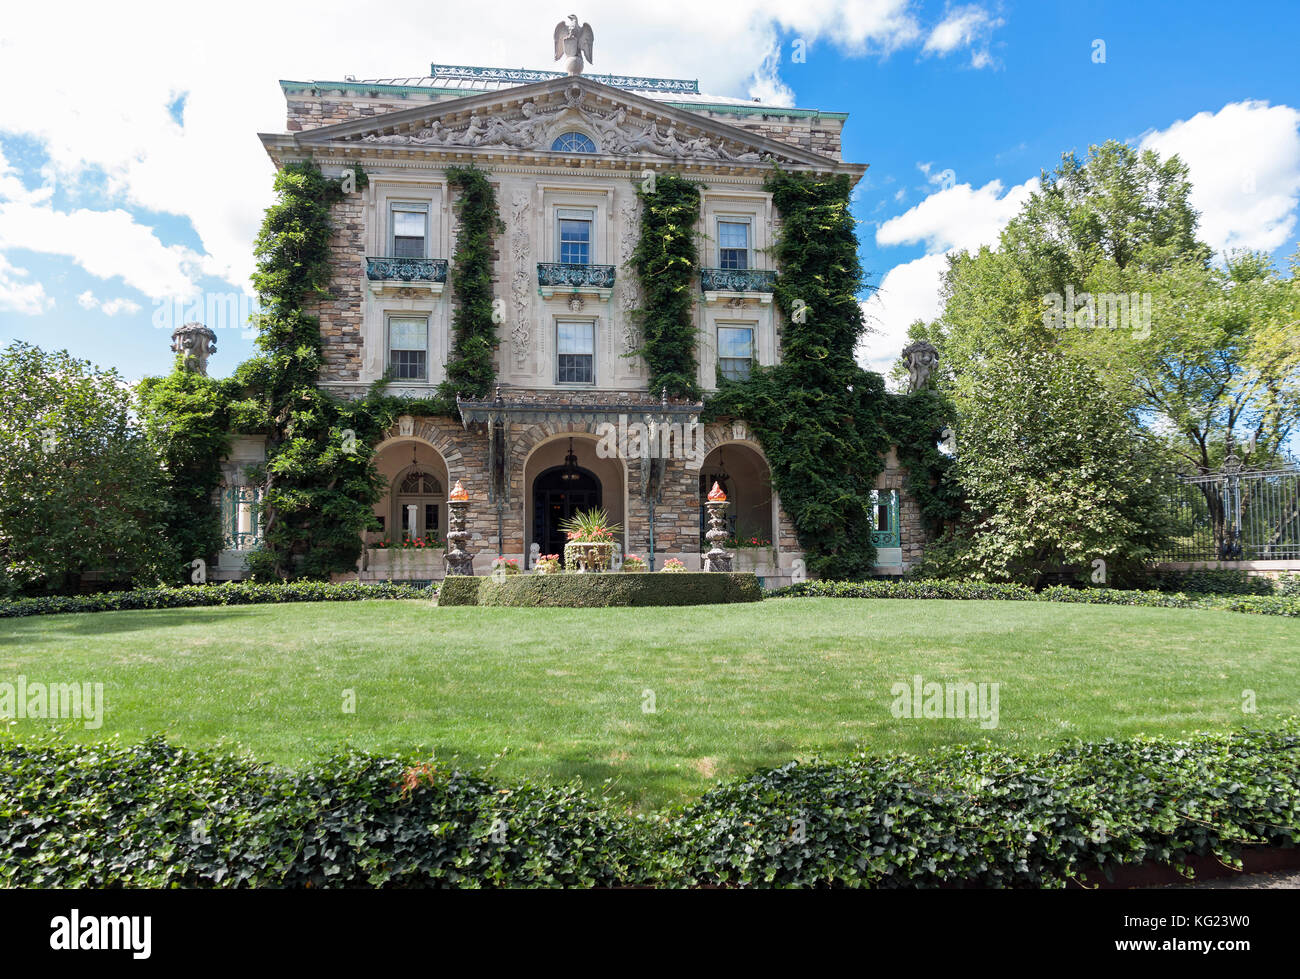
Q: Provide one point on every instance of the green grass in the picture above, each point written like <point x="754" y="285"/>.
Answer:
<point x="555" y="693"/>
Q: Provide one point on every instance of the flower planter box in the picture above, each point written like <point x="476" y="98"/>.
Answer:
<point x="588" y="555"/>
<point x="762" y="561"/>
<point x="418" y="563"/>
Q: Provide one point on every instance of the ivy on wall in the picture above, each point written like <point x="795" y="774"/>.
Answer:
<point x="666" y="264"/>
<point x="471" y="369"/>
<point x="825" y="423"/>
<point x="187" y="421"/>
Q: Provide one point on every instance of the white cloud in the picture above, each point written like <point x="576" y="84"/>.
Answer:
<point x="957" y="217"/>
<point x="16" y="296"/>
<point x="1245" y="172"/>
<point x="111" y="307"/>
<point x="970" y="27"/>
<point x="953" y="219"/>
<point x="105" y="89"/>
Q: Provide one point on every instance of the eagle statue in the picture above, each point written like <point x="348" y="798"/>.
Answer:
<point x="572" y="42"/>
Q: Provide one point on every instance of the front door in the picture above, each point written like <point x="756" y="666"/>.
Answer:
<point x="558" y="494"/>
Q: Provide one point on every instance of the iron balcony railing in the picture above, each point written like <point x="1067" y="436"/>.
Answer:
<point x="1236" y="515"/>
<point x="572" y="275"/>
<point x="737" y="280"/>
<point x="406" y="269"/>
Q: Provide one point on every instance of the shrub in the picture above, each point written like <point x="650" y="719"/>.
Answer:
<point x="230" y="593"/>
<point x="153" y="815"/>
<point x="1216" y="581"/>
<point x="974" y="816"/>
<point x="991" y="591"/>
<point x="601" y="590"/>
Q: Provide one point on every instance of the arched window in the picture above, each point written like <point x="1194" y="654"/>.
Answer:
<point x="419" y="496"/>
<point x="574" y="142"/>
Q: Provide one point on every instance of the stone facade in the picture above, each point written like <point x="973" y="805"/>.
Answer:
<point x="405" y="134"/>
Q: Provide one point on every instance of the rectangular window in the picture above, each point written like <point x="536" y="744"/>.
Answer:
<point x="575" y="344"/>
<point x="733" y="244"/>
<point x="735" y="351"/>
<point x="575" y="235"/>
<point x="408" y="347"/>
<point x="410" y="230"/>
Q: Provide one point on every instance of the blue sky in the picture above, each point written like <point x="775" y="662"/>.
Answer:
<point x="130" y="169"/>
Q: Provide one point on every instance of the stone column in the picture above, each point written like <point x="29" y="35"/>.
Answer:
<point x="717" y="559"/>
<point x="459" y="560"/>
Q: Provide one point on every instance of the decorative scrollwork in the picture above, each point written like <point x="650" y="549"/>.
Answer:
<point x="737" y="280"/>
<point x="577" y="276"/>
<point x="406" y="269"/>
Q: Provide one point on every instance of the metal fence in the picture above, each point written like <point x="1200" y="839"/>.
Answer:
<point x="1236" y="515"/>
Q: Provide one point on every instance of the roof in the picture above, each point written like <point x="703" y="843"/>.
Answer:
<point x="470" y="80"/>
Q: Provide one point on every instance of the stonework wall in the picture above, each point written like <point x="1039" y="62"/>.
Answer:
<point x="341" y="315"/>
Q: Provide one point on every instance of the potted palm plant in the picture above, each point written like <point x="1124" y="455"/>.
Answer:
<point x="592" y="539"/>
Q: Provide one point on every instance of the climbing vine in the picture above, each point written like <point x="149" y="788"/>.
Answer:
<point x="666" y="264"/>
<point x="187" y="421"/>
<point x="472" y="367"/>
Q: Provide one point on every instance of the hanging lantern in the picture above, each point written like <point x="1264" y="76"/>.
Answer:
<point x="570" y="473"/>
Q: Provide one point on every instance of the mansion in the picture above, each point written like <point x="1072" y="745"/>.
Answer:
<point x="565" y="154"/>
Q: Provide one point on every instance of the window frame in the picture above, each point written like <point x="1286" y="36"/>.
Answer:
<point x="428" y="343"/>
<point x="752" y="330"/>
<point x="574" y="132"/>
<point x="586" y="215"/>
<point x="411" y="207"/>
<point x="567" y="321"/>
<point x="747" y="222"/>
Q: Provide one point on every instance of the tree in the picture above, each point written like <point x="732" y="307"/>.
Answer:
<point x="1054" y="473"/>
<point x="80" y="488"/>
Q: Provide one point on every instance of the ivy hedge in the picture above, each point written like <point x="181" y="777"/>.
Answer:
<point x="155" y="815"/>
<point x="196" y="596"/>
<point x="602" y="590"/>
<point x="471" y="368"/>
<point x="1288" y="605"/>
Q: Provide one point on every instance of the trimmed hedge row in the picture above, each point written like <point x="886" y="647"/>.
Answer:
<point x="229" y="593"/>
<point x="1288" y="605"/>
<point x="602" y="590"/>
<point x="972" y="816"/>
<point x="153" y="815"/>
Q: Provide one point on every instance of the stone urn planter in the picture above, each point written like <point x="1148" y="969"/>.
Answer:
<point x="587" y="556"/>
<point x="420" y="563"/>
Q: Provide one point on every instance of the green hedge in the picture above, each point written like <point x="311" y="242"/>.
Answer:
<point x="1210" y="581"/>
<point x="1288" y="605"/>
<point x="973" y="816"/>
<point x="602" y="590"/>
<point x="154" y="815"/>
<point x="229" y="593"/>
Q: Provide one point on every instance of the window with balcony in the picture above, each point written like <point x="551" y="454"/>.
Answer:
<point x="575" y="231"/>
<point x="575" y="345"/>
<point x="735" y="351"/>
<point x="410" y="230"/>
<point x="408" y="347"/>
<point x="733" y="244"/>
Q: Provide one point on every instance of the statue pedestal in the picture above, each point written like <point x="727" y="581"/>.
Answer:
<point x="717" y="559"/>
<point x="459" y="560"/>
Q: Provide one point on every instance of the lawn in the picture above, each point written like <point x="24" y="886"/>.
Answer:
<point x="557" y="693"/>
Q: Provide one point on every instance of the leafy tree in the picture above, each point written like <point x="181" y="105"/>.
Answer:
<point x="1055" y="472"/>
<point x="80" y="487"/>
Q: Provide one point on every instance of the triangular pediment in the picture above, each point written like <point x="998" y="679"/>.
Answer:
<point x="525" y="119"/>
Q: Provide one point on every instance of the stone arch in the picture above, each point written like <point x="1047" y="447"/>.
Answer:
<point x="544" y="447"/>
<point x="395" y="458"/>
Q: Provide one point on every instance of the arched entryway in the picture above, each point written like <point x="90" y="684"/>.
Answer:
<point x="415" y="505"/>
<point x="561" y="476"/>
<point x="559" y="493"/>
<point x="744" y="476"/>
